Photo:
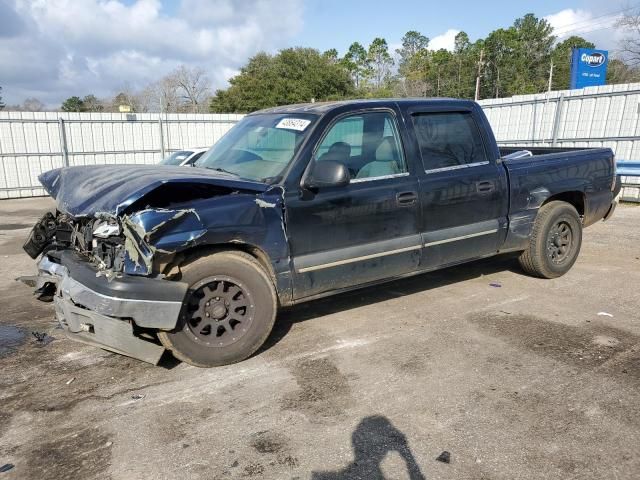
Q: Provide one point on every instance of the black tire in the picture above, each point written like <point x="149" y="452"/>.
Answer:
<point x="555" y="241"/>
<point x="240" y="303"/>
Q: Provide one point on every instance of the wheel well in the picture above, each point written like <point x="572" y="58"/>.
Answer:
<point x="574" y="198"/>
<point x="201" y="250"/>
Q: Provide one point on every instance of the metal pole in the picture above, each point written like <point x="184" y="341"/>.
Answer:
<point x="63" y="142"/>
<point x="556" y="121"/>
<point x="478" y="77"/>
<point x="550" y="76"/>
<point x="161" y="136"/>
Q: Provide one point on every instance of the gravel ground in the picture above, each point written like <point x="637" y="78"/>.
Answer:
<point x="525" y="380"/>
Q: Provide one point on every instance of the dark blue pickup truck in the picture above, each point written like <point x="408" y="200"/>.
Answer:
<point x="295" y="203"/>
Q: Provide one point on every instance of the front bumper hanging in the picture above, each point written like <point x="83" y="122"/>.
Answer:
<point x="103" y="312"/>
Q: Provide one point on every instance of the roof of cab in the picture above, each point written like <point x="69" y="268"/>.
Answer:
<point x="320" y="108"/>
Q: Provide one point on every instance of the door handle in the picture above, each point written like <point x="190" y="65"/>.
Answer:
<point x="405" y="199"/>
<point x="485" y="187"/>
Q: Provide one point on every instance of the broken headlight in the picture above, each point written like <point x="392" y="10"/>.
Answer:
<point x="105" y="229"/>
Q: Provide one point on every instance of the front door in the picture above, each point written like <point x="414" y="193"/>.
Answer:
<point x="367" y="230"/>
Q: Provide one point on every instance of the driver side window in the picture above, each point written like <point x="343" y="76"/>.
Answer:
<point x="367" y="144"/>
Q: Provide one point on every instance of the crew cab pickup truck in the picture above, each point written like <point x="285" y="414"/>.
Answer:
<point x="295" y="203"/>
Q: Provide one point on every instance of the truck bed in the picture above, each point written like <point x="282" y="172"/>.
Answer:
<point x="583" y="177"/>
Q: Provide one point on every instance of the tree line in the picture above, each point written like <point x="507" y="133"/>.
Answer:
<point x="509" y="61"/>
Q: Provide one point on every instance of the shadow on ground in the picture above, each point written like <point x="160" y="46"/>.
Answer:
<point x="372" y="440"/>
<point x="387" y="291"/>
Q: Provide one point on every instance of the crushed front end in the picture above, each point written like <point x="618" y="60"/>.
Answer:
<point x="104" y="289"/>
<point x="110" y="256"/>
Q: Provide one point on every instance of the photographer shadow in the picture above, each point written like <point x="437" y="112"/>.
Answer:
<point x="372" y="440"/>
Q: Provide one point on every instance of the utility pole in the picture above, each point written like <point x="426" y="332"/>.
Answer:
<point x="550" y="76"/>
<point x="479" y="73"/>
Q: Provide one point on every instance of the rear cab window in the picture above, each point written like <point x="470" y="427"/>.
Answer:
<point x="449" y="140"/>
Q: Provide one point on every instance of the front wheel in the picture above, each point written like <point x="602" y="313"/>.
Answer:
<point x="555" y="241"/>
<point x="229" y="311"/>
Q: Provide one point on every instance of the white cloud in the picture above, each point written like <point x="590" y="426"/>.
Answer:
<point x="58" y="48"/>
<point x="598" y="28"/>
<point x="447" y="40"/>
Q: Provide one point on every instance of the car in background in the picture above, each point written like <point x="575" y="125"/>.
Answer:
<point x="184" y="157"/>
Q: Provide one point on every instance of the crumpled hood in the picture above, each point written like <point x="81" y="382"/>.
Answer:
<point x="84" y="191"/>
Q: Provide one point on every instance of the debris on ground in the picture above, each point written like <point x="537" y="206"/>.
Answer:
<point x="6" y="467"/>
<point x="42" y="338"/>
<point x="605" y="314"/>
<point x="137" y="396"/>
<point x="108" y="444"/>
<point x="495" y="284"/>
<point x="444" y="457"/>
<point x="70" y="381"/>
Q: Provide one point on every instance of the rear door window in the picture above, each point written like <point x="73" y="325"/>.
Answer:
<point x="448" y="140"/>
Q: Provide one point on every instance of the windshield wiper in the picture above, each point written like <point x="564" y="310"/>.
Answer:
<point x="218" y="169"/>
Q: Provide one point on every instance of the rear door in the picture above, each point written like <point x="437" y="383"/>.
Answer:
<point x="367" y="230"/>
<point x="463" y="190"/>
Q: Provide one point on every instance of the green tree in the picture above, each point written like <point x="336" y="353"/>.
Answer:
<point x="462" y="43"/>
<point x="73" y="104"/>
<point x="517" y="59"/>
<point x="357" y="63"/>
<point x="416" y="73"/>
<point x="561" y="57"/>
<point x="499" y="67"/>
<point x="412" y="43"/>
<point x="533" y="49"/>
<point x="466" y="56"/>
<point x="294" y="75"/>
<point x="1" y="102"/>
<point x="442" y="78"/>
<point x="331" y="54"/>
<point x="380" y="60"/>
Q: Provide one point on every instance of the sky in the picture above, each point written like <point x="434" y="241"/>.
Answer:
<point x="52" y="49"/>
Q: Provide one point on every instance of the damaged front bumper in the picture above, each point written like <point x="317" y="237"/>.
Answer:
<point x="109" y="313"/>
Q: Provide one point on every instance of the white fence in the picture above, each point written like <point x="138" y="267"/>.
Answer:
<point x="32" y="143"/>
<point x="606" y="116"/>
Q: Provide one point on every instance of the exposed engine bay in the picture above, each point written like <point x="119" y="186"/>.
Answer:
<point x="100" y="240"/>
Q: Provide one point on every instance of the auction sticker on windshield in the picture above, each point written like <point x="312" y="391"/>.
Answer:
<point x="298" y="124"/>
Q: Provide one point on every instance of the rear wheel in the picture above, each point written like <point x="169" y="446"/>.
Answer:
<point x="555" y="241"/>
<point x="229" y="311"/>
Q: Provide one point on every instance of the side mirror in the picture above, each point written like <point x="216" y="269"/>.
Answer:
<point x="328" y="174"/>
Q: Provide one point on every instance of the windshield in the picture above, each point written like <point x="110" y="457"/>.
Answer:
<point x="176" y="158"/>
<point x="259" y="147"/>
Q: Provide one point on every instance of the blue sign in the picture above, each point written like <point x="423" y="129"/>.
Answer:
<point x="588" y="67"/>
